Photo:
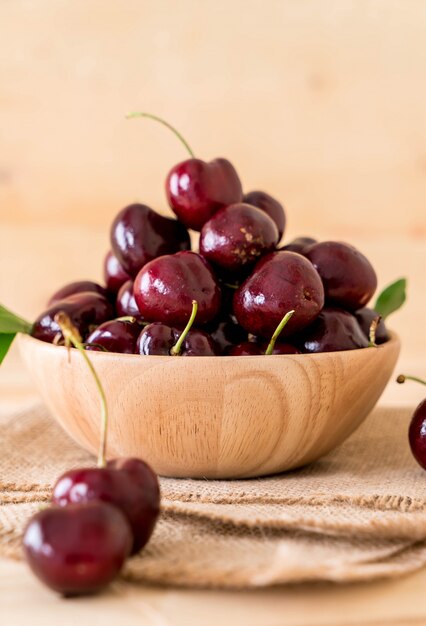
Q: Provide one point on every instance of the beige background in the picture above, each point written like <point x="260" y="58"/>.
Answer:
<point x="319" y="102"/>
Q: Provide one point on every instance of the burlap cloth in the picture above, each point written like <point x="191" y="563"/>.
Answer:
<point x="359" y="513"/>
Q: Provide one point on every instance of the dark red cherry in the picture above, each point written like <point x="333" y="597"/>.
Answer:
<point x="114" y="274"/>
<point x="165" y="288"/>
<point x="280" y="282"/>
<point x="251" y="348"/>
<point x="332" y="331"/>
<point x="143" y="508"/>
<point x="115" y="336"/>
<point x="199" y="343"/>
<point x="159" y="339"/>
<point x="126" y="303"/>
<point x="78" y="549"/>
<point x="86" y="311"/>
<point x="365" y="317"/>
<point x="300" y="244"/>
<point x="80" y="286"/>
<point x="417" y="434"/>
<point x="348" y="276"/>
<point x="156" y="339"/>
<point x="246" y="348"/>
<point x="128" y="484"/>
<point x="272" y="207"/>
<point x="236" y="236"/>
<point x="226" y="332"/>
<point x="196" y="190"/>
<point x="139" y="234"/>
<point x="283" y="348"/>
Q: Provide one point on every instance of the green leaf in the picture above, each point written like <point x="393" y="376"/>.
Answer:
<point x="5" y="342"/>
<point x="392" y="298"/>
<point x="11" y="323"/>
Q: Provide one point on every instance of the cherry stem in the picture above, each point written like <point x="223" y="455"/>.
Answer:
<point x="126" y="318"/>
<point x="130" y="116"/>
<point x="72" y="336"/>
<point x="175" y="351"/>
<point x="402" y="378"/>
<point x="277" y="333"/>
<point x="372" y="334"/>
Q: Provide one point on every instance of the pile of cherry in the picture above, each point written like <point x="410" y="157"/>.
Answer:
<point x="242" y="293"/>
<point x="242" y="280"/>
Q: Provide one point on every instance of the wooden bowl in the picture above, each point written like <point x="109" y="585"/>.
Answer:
<point x="213" y="417"/>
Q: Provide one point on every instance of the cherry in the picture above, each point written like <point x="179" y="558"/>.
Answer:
<point x="114" y="274"/>
<point x="117" y="335"/>
<point x="269" y="205"/>
<point x="78" y="549"/>
<point x="196" y="189"/>
<point x="80" y="286"/>
<point x="348" y="276"/>
<point x="226" y="332"/>
<point x="417" y="429"/>
<point x="365" y="317"/>
<point x="300" y="244"/>
<point x="417" y="434"/>
<point x="332" y="331"/>
<point x="246" y="348"/>
<point x="139" y="234"/>
<point x="236" y="236"/>
<point x="86" y="310"/>
<point x="160" y="339"/>
<point x="252" y="348"/>
<point x="165" y="288"/>
<point x="126" y="304"/>
<point x="280" y="282"/>
<point x="249" y="348"/>
<point x="128" y="484"/>
<point x="284" y="348"/>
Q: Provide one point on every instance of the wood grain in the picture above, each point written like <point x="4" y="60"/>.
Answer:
<point x="214" y="417"/>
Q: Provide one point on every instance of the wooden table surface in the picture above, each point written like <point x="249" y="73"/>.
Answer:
<point x="70" y="254"/>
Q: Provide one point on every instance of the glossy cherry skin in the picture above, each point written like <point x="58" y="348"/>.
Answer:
<point x="165" y="288"/>
<point x="196" y="190"/>
<point x="417" y="434"/>
<point x="348" y="276"/>
<point x="126" y="303"/>
<point x="281" y="282"/>
<point x="86" y="310"/>
<point x="158" y="339"/>
<point x="80" y="286"/>
<point x="78" y="549"/>
<point x="115" y="336"/>
<point x="300" y="244"/>
<point x="270" y="206"/>
<point x="128" y="484"/>
<point x="227" y="332"/>
<point x="332" y="331"/>
<point x="365" y="317"/>
<point x="236" y="236"/>
<point x="114" y="274"/>
<point x="139" y="234"/>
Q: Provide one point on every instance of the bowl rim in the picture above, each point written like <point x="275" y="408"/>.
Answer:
<point x="317" y="356"/>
